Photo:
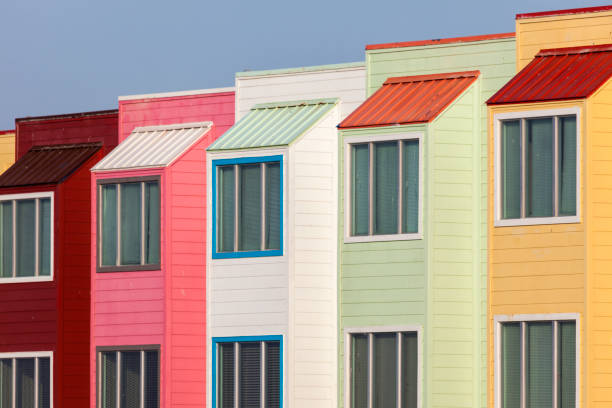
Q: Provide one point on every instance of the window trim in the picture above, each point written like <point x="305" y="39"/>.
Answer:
<point x="36" y="278"/>
<point x="243" y="339"/>
<point x="498" y="118"/>
<point x="237" y="161"/>
<point x="33" y="354"/>
<point x="348" y="331"/>
<point x="499" y="320"/>
<point x="125" y="268"/>
<point x="348" y="141"/>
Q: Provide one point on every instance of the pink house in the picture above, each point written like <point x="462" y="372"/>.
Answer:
<point x="148" y="330"/>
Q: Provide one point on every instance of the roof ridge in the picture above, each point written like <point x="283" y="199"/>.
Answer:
<point x="583" y="49"/>
<point x="173" y="126"/>
<point x="564" y="12"/>
<point x="431" y="77"/>
<point x="286" y="104"/>
<point x="440" y="41"/>
<point x="66" y="146"/>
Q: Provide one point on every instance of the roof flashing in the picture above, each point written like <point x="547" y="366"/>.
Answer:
<point x="552" y="13"/>
<point x="441" y="41"/>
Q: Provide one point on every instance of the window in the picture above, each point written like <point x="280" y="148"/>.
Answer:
<point x="248" y="207"/>
<point x="128" y="378"/>
<point x="26" y="237"/>
<point x="248" y="372"/>
<point x="25" y="380"/>
<point x="383" y="369"/>
<point x="537" y="364"/>
<point x="129" y="224"/>
<point x="383" y="186"/>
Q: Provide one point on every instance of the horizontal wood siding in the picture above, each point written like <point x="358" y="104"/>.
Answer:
<point x="7" y="150"/>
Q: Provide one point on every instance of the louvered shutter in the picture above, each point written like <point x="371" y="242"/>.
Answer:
<point x="250" y="375"/>
<point x="273" y="369"/>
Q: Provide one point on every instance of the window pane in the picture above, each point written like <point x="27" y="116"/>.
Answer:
<point x="385" y="370"/>
<point x="511" y="365"/>
<point x="567" y="165"/>
<point x="152" y="221"/>
<point x="249" y="227"/>
<point x="567" y="365"/>
<point x="359" y="370"/>
<point x="539" y="365"/>
<point x="385" y="188"/>
<point x="250" y="375"/>
<point x="109" y="224"/>
<point x="410" y="189"/>
<point x="151" y="391"/>
<point x="273" y="382"/>
<point x="109" y="379"/>
<point x="511" y="169"/>
<point x="130" y="223"/>
<point x="26" y="231"/>
<point x="44" y="382"/>
<point x="273" y="205"/>
<point x="6" y="246"/>
<point x="410" y="369"/>
<point x="24" y="387"/>
<point x="539" y="194"/>
<point x="226" y="375"/>
<point x="360" y="189"/>
<point x="44" y="236"/>
<point x="227" y="205"/>
<point x="6" y="383"/>
<point x="130" y="379"/>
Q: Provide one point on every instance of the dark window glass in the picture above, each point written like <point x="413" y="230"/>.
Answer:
<point x="249" y="387"/>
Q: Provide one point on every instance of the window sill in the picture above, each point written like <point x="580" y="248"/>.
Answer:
<point x="517" y="222"/>
<point x="26" y="279"/>
<point x="247" y="254"/>
<point x="382" y="238"/>
<point x="128" y="268"/>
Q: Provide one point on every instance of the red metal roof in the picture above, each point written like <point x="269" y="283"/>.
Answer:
<point x="48" y="164"/>
<point x="564" y="12"/>
<point x="412" y="99"/>
<point x="440" y="41"/>
<point x="558" y="74"/>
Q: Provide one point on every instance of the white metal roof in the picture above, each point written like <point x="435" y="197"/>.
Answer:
<point x="153" y="146"/>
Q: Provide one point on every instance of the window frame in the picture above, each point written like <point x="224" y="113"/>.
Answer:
<point x="244" y="339"/>
<point x="349" y="331"/>
<point x="498" y="118"/>
<point x="125" y="268"/>
<point x="499" y="320"/>
<point x="29" y="196"/>
<point x="251" y="159"/>
<point x="348" y="142"/>
<point x="36" y="355"/>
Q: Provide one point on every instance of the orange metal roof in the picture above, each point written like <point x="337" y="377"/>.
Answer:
<point x="411" y="99"/>
<point x="440" y="41"/>
<point x="559" y="74"/>
<point x="564" y="12"/>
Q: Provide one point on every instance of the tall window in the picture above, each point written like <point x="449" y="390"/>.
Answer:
<point x="383" y="370"/>
<point x="26" y="223"/>
<point x="248" y="374"/>
<point x="384" y="188"/>
<point x="129" y="224"/>
<point x="538" y="364"/>
<point x="128" y="378"/>
<point x="25" y="382"/>
<point x="248" y="207"/>
<point x="539" y="167"/>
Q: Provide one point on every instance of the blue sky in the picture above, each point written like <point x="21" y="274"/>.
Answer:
<point x="66" y="56"/>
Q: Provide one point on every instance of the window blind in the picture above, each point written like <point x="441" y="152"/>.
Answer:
<point x="226" y="375"/>
<point x="6" y="383"/>
<point x="6" y="218"/>
<point x="567" y="365"/>
<point x="360" y="188"/>
<point x="130" y="379"/>
<point x="152" y="222"/>
<point x="273" y="382"/>
<point x="26" y="233"/>
<point x="249" y="387"/>
<point x="539" y="364"/>
<point x="567" y="165"/>
<point x="386" y="179"/>
<point x="227" y="203"/>
<point x="410" y="188"/>
<point x="511" y="169"/>
<point x="249" y="218"/>
<point x="25" y="383"/>
<point x="385" y="370"/>
<point x="359" y="370"/>
<point x="273" y="205"/>
<point x="130" y="218"/>
<point x="109" y="224"/>
<point x="44" y="382"/>
<point x="540" y="165"/>
<point x="511" y="365"/>
<point x="410" y="370"/>
<point x="151" y="379"/>
<point x="109" y="380"/>
<point x="44" y="234"/>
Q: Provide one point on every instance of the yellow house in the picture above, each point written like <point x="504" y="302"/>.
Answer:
<point x="7" y="149"/>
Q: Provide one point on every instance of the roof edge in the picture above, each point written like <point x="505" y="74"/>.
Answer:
<point x="551" y="13"/>
<point x="440" y="41"/>
<point x="65" y="146"/>
<point x="7" y="132"/>
<point x="299" y="70"/>
<point x="585" y="49"/>
<point x="286" y="104"/>
<point x="431" y="77"/>
<point x="77" y="115"/>
<point x="171" y="94"/>
<point x="207" y="124"/>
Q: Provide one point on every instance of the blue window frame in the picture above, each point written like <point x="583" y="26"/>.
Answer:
<point x="247" y="207"/>
<point x="247" y="371"/>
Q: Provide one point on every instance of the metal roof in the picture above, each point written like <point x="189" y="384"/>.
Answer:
<point x="274" y="124"/>
<point x="558" y="74"/>
<point x="597" y="9"/>
<point x="411" y="99"/>
<point x="440" y="41"/>
<point x="153" y="146"/>
<point x="48" y="164"/>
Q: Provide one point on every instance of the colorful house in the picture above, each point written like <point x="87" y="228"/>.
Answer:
<point x="148" y="252"/>
<point x="44" y="275"/>
<point x="7" y="149"/>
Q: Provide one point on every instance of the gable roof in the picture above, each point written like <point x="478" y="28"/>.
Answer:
<point x="559" y="74"/>
<point x="411" y="99"/>
<point x="274" y="124"/>
<point x="48" y="164"/>
<point x="153" y="146"/>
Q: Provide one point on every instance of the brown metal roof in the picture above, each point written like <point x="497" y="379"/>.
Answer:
<point x="412" y="99"/>
<point x="48" y="164"/>
<point x="559" y="74"/>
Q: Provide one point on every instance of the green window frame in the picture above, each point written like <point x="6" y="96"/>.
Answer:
<point x="26" y="380"/>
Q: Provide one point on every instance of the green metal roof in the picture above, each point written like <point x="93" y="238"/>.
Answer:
<point x="274" y="124"/>
<point x="314" y="68"/>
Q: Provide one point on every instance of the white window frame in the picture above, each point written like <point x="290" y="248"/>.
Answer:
<point x="349" y="331"/>
<point x="35" y="355"/>
<point x="497" y="182"/>
<point x="499" y="320"/>
<point x="348" y="142"/>
<point x="29" y="196"/>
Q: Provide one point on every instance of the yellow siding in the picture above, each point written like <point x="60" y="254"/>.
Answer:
<point x="7" y="151"/>
<point x="534" y="34"/>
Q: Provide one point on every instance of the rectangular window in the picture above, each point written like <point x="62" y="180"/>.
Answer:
<point x="25" y="382"/>
<point x="129" y="224"/>
<point x="383" y="370"/>
<point x="26" y="225"/>
<point x="538" y="364"/>
<point x="248" y="374"/>
<point x="128" y="378"/>
<point x="248" y="207"/>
